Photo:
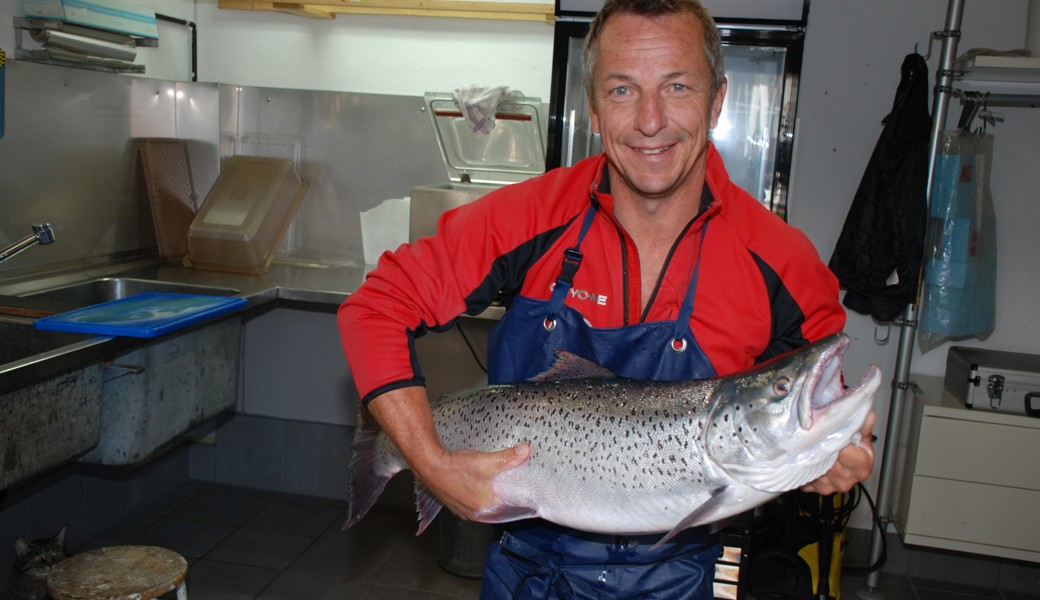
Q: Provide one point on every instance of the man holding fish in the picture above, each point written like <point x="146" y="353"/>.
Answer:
<point x="695" y="280"/>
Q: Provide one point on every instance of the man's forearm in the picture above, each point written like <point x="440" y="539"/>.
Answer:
<point x="404" y="414"/>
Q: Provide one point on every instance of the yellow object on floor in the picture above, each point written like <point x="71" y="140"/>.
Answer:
<point x="811" y="552"/>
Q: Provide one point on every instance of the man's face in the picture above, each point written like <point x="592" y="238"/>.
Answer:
<point x="652" y="103"/>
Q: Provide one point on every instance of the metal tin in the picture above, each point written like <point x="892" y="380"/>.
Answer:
<point x="994" y="380"/>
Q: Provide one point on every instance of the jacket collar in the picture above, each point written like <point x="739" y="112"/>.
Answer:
<point x="716" y="178"/>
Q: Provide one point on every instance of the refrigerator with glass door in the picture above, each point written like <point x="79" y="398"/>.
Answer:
<point x="762" y="48"/>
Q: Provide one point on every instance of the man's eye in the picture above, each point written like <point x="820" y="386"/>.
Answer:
<point x="678" y="87"/>
<point x="621" y="90"/>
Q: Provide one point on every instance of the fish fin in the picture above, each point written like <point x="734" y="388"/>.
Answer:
<point x="571" y="366"/>
<point x="427" y="505"/>
<point x="503" y="513"/>
<point x="719" y="525"/>
<point x="718" y="497"/>
<point x="365" y="484"/>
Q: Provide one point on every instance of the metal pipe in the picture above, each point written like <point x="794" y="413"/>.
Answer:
<point x="944" y="79"/>
<point x="42" y="234"/>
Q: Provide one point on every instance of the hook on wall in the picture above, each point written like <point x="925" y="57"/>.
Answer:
<point x="931" y="38"/>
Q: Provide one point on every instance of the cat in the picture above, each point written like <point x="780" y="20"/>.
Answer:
<point x="33" y="561"/>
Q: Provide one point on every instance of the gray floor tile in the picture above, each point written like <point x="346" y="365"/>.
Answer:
<point x="227" y="508"/>
<point x="345" y="559"/>
<point x="955" y="568"/>
<point x="930" y="587"/>
<point x="187" y="537"/>
<point x="889" y="587"/>
<point x="295" y="518"/>
<point x="213" y="580"/>
<point x="120" y="533"/>
<point x="259" y="548"/>
<point x="294" y="586"/>
<point x="925" y="594"/>
<point x="382" y="592"/>
<point x="414" y="567"/>
<point x="389" y="525"/>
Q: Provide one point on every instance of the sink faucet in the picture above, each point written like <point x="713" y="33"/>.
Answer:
<point x="42" y="234"/>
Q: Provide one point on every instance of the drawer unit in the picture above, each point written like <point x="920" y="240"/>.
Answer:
<point x="969" y="481"/>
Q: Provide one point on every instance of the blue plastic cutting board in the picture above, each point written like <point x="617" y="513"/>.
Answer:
<point x="141" y="315"/>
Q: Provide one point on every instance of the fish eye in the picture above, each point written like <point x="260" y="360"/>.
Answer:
<point x="781" y="386"/>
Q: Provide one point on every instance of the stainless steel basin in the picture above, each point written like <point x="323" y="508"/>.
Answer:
<point x="50" y="398"/>
<point x="19" y="340"/>
<point x="97" y="291"/>
<point x="28" y="355"/>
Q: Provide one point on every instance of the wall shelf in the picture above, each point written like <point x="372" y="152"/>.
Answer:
<point x="459" y="9"/>
<point x="1016" y="75"/>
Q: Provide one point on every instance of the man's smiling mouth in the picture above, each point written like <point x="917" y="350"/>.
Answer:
<point x="652" y="151"/>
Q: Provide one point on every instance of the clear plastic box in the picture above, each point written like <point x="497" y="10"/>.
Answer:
<point x="245" y="215"/>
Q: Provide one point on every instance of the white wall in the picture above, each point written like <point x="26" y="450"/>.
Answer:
<point x="371" y="54"/>
<point x="853" y="54"/>
<point x="854" y="50"/>
<point x="851" y="69"/>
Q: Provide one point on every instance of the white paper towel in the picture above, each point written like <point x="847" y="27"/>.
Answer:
<point x="384" y="227"/>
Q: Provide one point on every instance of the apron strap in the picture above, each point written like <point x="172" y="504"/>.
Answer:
<point x="571" y="262"/>
<point x="679" y="342"/>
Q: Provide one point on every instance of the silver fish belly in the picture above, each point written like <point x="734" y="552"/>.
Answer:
<point x="636" y="457"/>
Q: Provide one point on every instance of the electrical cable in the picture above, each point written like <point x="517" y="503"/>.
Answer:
<point x="473" y="351"/>
<point x="876" y="519"/>
<point x="842" y="515"/>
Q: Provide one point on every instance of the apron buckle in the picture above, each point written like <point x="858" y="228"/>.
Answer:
<point x="678" y="344"/>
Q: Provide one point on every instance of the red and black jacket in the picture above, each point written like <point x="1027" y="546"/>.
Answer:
<point x="762" y="289"/>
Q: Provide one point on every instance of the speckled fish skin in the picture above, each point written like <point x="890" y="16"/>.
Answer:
<point x="637" y="457"/>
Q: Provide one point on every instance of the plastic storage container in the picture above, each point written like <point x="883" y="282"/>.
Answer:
<point x="245" y="215"/>
<point x="166" y="181"/>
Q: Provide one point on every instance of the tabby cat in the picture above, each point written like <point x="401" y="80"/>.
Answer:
<point x="33" y="560"/>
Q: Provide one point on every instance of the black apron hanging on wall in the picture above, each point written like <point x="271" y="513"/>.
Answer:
<point x="877" y="258"/>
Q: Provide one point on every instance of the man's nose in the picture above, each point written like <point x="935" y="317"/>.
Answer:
<point x="650" y="118"/>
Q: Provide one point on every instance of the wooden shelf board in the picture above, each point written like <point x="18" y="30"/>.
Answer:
<point x="464" y="9"/>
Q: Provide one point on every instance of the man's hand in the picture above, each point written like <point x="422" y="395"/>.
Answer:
<point x="462" y="480"/>
<point x="854" y="464"/>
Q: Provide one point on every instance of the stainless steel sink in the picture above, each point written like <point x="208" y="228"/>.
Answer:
<point x="50" y="398"/>
<point x="97" y="291"/>
<point x="19" y="341"/>
<point x="28" y="355"/>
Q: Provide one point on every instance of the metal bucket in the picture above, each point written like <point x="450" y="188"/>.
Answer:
<point x="463" y="545"/>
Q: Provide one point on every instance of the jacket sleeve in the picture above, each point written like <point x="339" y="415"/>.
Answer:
<point x="419" y="287"/>
<point x="779" y="299"/>
<point x="804" y="298"/>
<point x="480" y="250"/>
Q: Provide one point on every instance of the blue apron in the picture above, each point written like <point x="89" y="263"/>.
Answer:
<point x="538" y="559"/>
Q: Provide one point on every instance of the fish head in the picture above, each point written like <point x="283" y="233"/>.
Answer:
<point x="782" y="424"/>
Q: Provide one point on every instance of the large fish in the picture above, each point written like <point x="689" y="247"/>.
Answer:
<point x="622" y="456"/>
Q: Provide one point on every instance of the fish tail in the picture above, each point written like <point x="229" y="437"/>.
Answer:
<point x="426" y="504"/>
<point x="365" y="484"/>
